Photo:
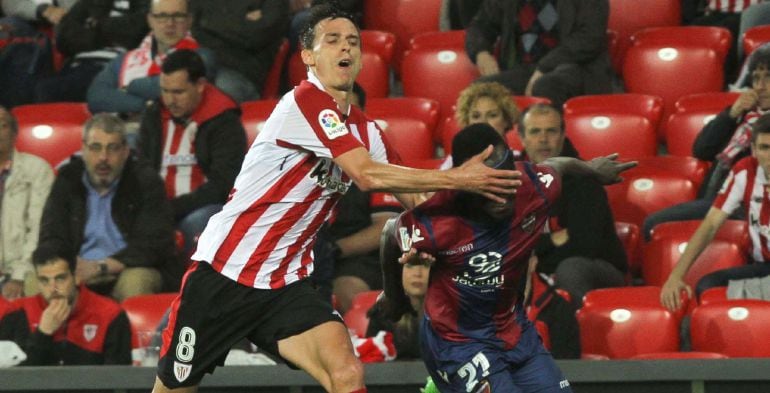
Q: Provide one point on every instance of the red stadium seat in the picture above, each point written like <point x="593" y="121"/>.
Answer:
<point x="411" y="138"/>
<point x="601" y="132"/>
<point x="273" y="78"/>
<point x="629" y="236"/>
<point x="659" y="68"/>
<point x="736" y="328"/>
<point x="712" y="295"/>
<point x="439" y="74"/>
<point x="51" y="131"/>
<point x="145" y="312"/>
<point x="689" y="167"/>
<point x="524" y="102"/>
<point x="253" y="116"/>
<point x="623" y="322"/>
<point x="647" y="189"/>
<point x="645" y="105"/>
<point x="754" y="37"/>
<point x="629" y="16"/>
<point x="404" y="18"/>
<point x="668" y="242"/>
<point x="717" y="38"/>
<point x="422" y="109"/>
<point x="356" y="318"/>
<point x="379" y="42"/>
<point x="691" y="114"/>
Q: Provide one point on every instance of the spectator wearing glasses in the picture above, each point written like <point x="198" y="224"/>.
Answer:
<point x="131" y="80"/>
<point x="113" y="214"/>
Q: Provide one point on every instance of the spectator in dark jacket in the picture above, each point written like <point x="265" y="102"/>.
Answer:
<point x="245" y="36"/>
<point x="112" y="213"/>
<point x="67" y="324"/>
<point x="91" y="34"/>
<point x="548" y="48"/>
<point x="194" y="138"/>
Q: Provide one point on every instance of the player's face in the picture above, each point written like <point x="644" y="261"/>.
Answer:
<point x="761" y="150"/>
<point x="415" y="280"/>
<point x="543" y="137"/>
<point x="180" y="95"/>
<point x="486" y="110"/>
<point x="169" y="21"/>
<point x="336" y="54"/>
<point x="104" y="156"/>
<point x="56" y="281"/>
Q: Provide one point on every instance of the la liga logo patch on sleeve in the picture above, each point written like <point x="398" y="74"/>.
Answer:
<point x="331" y="124"/>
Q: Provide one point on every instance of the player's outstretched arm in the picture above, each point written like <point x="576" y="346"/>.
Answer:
<point x="606" y="169"/>
<point x="472" y="176"/>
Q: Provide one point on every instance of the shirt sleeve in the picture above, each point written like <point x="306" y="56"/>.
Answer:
<point x="549" y="182"/>
<point x="412" y="232"/>
<point x="731" y="194"/>
<point x="316" y="124"/>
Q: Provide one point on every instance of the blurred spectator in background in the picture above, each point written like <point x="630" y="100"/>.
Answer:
<point x="23" y="16"/>
<point x="745" y="187"/>
<point x="194" y="138"/>
<point x="91" y="34"/>
<point x="723" y="141"/>
<point x="112" y="213"/>
<point x="130" y="80"/>
<point x="582" y="250"/>
<point x="548" y="48"/>
<point x="406" y="330"/>
<point x="67" y="324"/>
<point x="25" y="181"/>
<point x="245" y="36"/>
<point x="461" y="12"/>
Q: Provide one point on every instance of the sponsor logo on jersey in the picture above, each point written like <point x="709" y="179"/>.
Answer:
<point x="545" y="178"/>
<point x="406" y="239"/>
<point x="329" y="176"/>
<point x="331" y="124"/>
<point x="484" y="269"/>
<point x="89" y="331"/>
<point x="181" y="371"/>
<point x="179" y="160"/>
<point x="528" y="223"/>
<point x="563" y="384"/>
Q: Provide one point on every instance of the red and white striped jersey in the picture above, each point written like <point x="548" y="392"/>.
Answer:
<point x="179" y="167"/>
<point x="747" y="184"/>
<point x="287" y="187"/>
<point x="731" y="6"/>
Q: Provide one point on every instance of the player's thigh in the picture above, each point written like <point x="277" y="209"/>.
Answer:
<point x="540" y="374"/>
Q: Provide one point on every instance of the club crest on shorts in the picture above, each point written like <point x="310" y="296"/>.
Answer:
<point x="331" y="124"/>
<point x="181" y="371"/>
<point x="89" y="331"/>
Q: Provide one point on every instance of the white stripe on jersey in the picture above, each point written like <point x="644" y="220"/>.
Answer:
<point x="731" y="6"/>
<point x="183" y="159"/>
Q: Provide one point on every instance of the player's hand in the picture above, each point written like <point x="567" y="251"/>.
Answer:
<point x="13" y="289"/>
<point x="671" y="293"/>
<point x="487" y="64"/>
<point x="745" y="102"/>
<point x="413" y="257"/>
<point x="85" y="270"/>
<point x="607" y="169"/>
<point x="54" y="315"/>
<point x="495" y="184"/>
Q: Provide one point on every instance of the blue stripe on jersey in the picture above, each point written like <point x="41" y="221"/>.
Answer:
<point x="535" y="181"/>
<point x="425" y="220"/>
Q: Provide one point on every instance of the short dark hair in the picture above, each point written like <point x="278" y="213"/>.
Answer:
<point x="14" y="124"/>
<point x="540" y="108"/>
<point x="318" y="13"/>
<point x="187" y="60"/>
<point x="759" y="58"/>
<point x="472" y="140"/>
<point x="761" y="126"/>
<point x="45" y="254"/>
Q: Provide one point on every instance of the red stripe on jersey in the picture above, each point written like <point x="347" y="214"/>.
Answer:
<point x="169" y="330"/>
<point x="764" y="217"/>
<point x="273" y="236"/>
<point x="249" y="216"/>
<point x="305" y="261"/>
<point x="278" y="277"/>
